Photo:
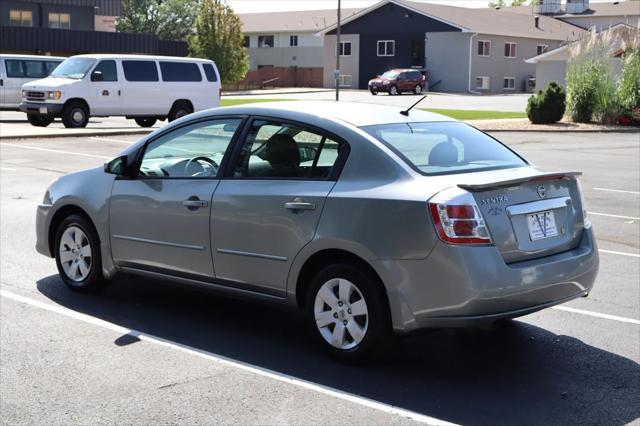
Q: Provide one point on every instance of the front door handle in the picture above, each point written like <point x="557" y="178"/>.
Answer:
<point x="194" y="203"/>
<point x="299" y="204"/>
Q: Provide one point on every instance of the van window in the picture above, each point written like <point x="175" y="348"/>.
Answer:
<point x="14" y="68"/>
<point x="180" y="71"/>
<point x="34" y="69"/>
<point x="108" y="70"/>
<point x="210" y="72"/>
<point x="140" y="70"/>
<point x="50" y="66"/>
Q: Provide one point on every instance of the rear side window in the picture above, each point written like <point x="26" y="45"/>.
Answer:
<point x="14" y="68"/>
<point x="140" y="70"/>
<point x="108" y="70"/>
<point x="34" y="69"/>
<point x="180" y="71"/>
<point x="445" y="147"/>
<point x="210" y="72"/>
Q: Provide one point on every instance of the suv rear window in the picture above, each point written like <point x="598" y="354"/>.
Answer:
<point x="140" y="70"/>
<point x="445" y="147"/>
<point x="180" y="71"/>
<point x="210" y="72"/>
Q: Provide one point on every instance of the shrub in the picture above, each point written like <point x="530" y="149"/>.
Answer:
<point x="547" y="106"/>
<point x="584" y="78"/>
<point x="628" y="93"/>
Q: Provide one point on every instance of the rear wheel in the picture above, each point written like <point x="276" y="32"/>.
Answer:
<point x="373" y="92"/>
<point x="39" y="120"/>
<point x="75" y="115"/>
<point x="145" y="121"/>
<point x="77" y="251"/>
<point x="418" y="89"/>
<point x="393" y="90"/>
<point x="349" y="311"/>
<point x="179" y="109"/>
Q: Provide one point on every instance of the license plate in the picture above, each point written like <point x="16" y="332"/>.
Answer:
<point x="43" y="110"/>
<point x="542" y="225"/>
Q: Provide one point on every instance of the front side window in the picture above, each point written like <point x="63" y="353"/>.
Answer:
<point x="273" y="150"/>
<point x="108" y="70"/>
<point x="445" y="147"/>
<point x="484" y="48"/>
<point x="60" y="20"/>
<point x="180" y="71"/>
<point x="386" y="48"/>
<point x="140" y="70"/>
<point x="265" y="41"/>
<point x="345" y="48"/>
<point x="193" y="151"/>
<point x="510" y="50"/>
<point x="21" y="18"/>
<point x="75" y="68"/>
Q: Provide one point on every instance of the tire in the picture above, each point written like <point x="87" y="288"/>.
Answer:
<point x="373" y="92"/>
<point x="75" y="115"/>
<point x="73" y="232"/>
<point x="39" y="120"/>
<point x="145" y="121"/>
<point x="393" y="91"/>
<point x="371" y="330"/>
<point x="178" y="110"/>
<point x="417" y="90"/>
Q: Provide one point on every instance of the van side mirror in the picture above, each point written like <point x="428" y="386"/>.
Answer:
<point x="97" y="76"/>
<point x="118" y="166"/>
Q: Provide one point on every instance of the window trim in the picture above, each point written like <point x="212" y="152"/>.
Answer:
<point x="59" y="15"/>
<point x="509" y="78"/>
<point x="545" y="49"/>
<point x="386" y="54"/>
<point x="515" y="48"/>
<point x="336" y="170"/>
<point x="478" y="50"/>
<point x="344" y="43"/>
<point x="291" y="39"/>
<point x="483" y="77"/>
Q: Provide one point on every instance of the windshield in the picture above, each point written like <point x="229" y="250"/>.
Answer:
<point x="445" y="147"/>
<point x="390" y="75"/>
<point x="75" y="68"/>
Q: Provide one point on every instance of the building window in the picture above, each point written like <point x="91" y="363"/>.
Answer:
<point x="482" y="83"/>
<point x="510" y="50"/>
<point x="542" y="48"/>
<point x="345" y="48"/>
<point x="21" y="18"/>
<point x="509" y="83"/>
<point x="265" y="41"/>
<point x="484" y="48"/>
<point x="60" y="20"/>
<point x="345" y="80"/>
<point x="293" y="40"/>
<point x="247" y="42"/>
<point x="386" y="48"/>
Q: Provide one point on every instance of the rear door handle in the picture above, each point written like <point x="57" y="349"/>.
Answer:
<point x="299" y="204"/>
<point x="194" y="203"/>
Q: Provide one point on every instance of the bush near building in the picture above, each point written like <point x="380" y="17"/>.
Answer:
<point x="629" y="86"/>
<point x="548" y="106"/>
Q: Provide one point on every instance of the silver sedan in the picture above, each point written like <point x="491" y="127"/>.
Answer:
<point x="370" y="218"/>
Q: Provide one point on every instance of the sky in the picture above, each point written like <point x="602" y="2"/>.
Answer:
<point x="249" y="6"/>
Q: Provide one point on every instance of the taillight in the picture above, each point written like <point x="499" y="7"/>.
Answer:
<point x="457" y="218"/>
<point x="586" y="221"/>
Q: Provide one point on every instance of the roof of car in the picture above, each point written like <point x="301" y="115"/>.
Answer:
<point x="39" y="57"/>
<point x="354" y="113"/>
<point x="148" y="57"/>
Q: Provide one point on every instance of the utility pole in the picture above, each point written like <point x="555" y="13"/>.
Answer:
<point x="337" y="71"/>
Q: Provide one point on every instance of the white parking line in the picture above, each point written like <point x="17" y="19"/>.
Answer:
<point x="100" y="138"/>
<point x="617" y="190"/>
<point x="621" y="253"/>
<point x="612" y="215"/>
<point x="54" y="150"/>
<point x="7" y="168"/>
<point x="597" y="314"/>
<point x="390" y="409"/>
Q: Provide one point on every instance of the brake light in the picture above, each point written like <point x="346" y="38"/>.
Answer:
<point x="457" y="218"/>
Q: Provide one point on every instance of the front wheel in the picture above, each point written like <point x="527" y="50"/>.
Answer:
<point x="418" y="89"/>
<point x="145" y="121"/>
<point x="77" y="250"/>
<point x="373" y="92"/>
<point x="75" y="115"/>
<point x="39" y="120"/>
<point x="349" y="311"/>
<point x="393" y="91"/>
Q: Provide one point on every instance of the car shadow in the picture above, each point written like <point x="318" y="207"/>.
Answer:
<point x="512" y="373"/>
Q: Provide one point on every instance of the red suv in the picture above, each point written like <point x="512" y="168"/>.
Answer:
<point x="397" y="81"/>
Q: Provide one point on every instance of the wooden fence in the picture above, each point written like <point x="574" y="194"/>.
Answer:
<point x="278" y="77"/>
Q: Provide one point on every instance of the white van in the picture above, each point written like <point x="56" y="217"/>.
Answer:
<point x="16" y="70"/>
<point x="145" y="88"/>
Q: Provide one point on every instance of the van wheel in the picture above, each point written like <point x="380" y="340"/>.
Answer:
<point x="418" y="89"/>
<point x="145" y="121"/>
<point x="77" y="251"/>
<point x="349" y="311"/>
<point x="39" y="120"/>
<point x="393" y="90"/>
<point x="75" y="115"/>
<point x="179" y="109"/>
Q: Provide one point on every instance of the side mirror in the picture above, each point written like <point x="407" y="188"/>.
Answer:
<point x="97" y="76"/>
<point x="117" y="166"/>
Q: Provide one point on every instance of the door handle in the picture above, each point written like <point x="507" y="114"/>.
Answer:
<point x="299" y="204"/>
<point x="194" y="203"/>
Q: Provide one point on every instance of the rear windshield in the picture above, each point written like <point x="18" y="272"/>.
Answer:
<point x="445" y="147"/>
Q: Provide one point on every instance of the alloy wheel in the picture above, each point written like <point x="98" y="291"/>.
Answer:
<point x="75" y="254"/>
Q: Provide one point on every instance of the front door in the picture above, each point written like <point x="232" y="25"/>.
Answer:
<point x="104" y="89"/>
<point x="270" y="207"/>
<point x="160" y="219"/>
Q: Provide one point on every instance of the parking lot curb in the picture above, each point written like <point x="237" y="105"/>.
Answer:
<point x="559" y="131"/>
<point x="77" y="135"/>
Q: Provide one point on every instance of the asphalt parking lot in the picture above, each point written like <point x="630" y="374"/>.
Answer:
<point x="142" y="352"/>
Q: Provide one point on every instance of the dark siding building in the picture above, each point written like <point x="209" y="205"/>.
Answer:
<point x="68" y="27"/>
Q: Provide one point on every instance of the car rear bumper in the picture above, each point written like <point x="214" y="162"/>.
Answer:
<point x="461" y="286"/>
<point x="43" y="213"/>
<point x="40" y="108"/>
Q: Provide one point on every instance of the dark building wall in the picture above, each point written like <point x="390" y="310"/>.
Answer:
<point x="81" y="14"/>
<point x="7" y="5"/>
<point x="390" y="22"/>
<point x="82" y="18"/>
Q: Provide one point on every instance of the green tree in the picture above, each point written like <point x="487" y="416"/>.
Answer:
<point x="494" y="4"/>
<point x="168" y="19"/>
<point x="218" y="36"/>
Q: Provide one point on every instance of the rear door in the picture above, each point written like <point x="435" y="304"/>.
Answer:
<point x="142" y="92"/>
<point x="104" y="88"/>
<point x="269" y="206"/>
<point x="16" y="77"/>
<point x="3" y="79"/>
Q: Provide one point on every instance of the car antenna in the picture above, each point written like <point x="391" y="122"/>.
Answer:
<point x="406" y="111"/>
